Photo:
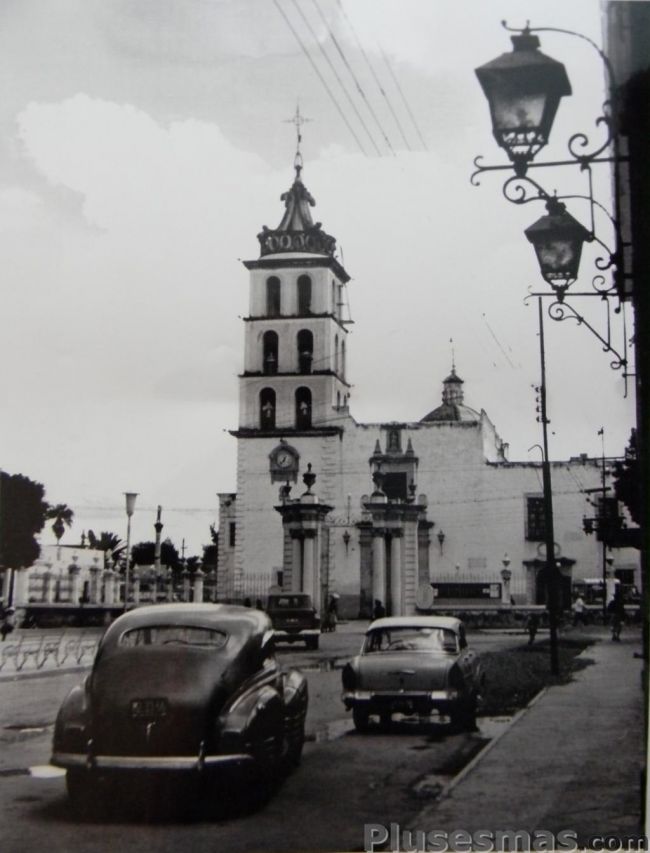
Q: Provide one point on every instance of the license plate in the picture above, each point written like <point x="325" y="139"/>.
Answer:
<point x="148" y="709"/>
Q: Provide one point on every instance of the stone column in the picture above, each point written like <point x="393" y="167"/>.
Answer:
<point x="170" y="585"/>
<point x="75" y="586"/>
<point x="198" y="586"/>
<point x="109" y="586"/>
<point x="136" y="588"/>
<point x="48" y="587"/>
<point x="21" y="583"/>
<point x="94" y="582"/>
<point x="316" y="594"/>
<point x="186" y="585"/>
<point x="378" y="566"/>
<point x="396" y="573"/>
<point x="296" y="563"/>
<point x="308" y="569"/>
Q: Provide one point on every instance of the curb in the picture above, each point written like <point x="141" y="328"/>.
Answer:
<point x="42" y="673"/>
<point x="467" y="769"/>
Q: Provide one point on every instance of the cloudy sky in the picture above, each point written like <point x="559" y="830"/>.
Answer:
<point x="143" y="144"/>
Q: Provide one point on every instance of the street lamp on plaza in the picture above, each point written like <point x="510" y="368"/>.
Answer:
<point x="130" y="508"/>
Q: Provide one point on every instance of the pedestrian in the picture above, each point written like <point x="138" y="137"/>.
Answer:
<point x="579" y="611"/>
<point x="247" y="602"/>
<point x="8" y="623"/>
<point x="379" y="610"/>
<point x="331" y="615"/>
<point x="532" y="624"/>
<point x="617" y="610"/>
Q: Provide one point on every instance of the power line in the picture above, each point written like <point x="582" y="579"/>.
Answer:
<point x="376" y="78"/>
<point x="336" y="75"/>
<point x="320" y="77"/>
<point x="405" y="102"/>
<point x="354" y="77"/>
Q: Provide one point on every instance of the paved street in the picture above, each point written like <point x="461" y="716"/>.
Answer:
<point x="345" y="779"/>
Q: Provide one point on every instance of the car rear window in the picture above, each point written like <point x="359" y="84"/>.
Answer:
<point x="411" y="639"/>
<point x="180" y="635"/>
<point x="290" y="602"/>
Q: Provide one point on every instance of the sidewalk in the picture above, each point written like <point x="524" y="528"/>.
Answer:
<point x="571" y="761"/>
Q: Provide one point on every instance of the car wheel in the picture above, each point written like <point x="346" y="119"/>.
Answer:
<point x="81" y="788"/>
<point x="360" y="719"/>
<point x="294" y="751"/>
<point x="463" y="716"/>
<point x="311" y="642"/>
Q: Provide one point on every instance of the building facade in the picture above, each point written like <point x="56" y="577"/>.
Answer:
<point x="410" y="506"/>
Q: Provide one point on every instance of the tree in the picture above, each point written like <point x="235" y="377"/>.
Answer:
<point x="62" y="515"/>
<point x="627" y="481"/>
<point x="23" y="510"/>
<point x="144" y="554"/>
<point x="109" y="543"/>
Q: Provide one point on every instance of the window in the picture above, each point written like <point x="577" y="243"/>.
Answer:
<point x="407" y="639"/>
<point x="270" y="357"/>
<point x="395" y="485"/>
<point x="336" y="354"/>
<point x="303" y="408"/>
<point x="273" y="296"/>
<point x="304" y="295"/>
<point x="232" y="534"/>
<point x="267" y="408"/>
<point x="181" y="635"/>
<point x="305" y="350"/>
<point x="535" y="519"/>
<point x="342" y="359"/>
<point x="334" y="298"/>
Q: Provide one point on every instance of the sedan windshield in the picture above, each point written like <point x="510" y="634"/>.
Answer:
<point x="182" y="635"/>
<point x="411" y="639"/>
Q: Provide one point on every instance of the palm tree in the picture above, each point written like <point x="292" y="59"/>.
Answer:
<point x="109" y="543"/>
<point x="62" y="515"/>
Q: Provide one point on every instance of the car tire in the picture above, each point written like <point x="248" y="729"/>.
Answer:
<point x="311" y="642"/>
<point x="360" y="719"/>
<point x="463" y="716"/>
<point x="81" y="788"/>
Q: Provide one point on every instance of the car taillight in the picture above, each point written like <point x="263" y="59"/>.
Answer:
<point x="349" y="677"/>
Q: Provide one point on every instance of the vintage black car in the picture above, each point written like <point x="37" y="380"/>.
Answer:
<point x="414" y="665"/>
<point x="294" y="618"/>
<point x="189" y="690"/>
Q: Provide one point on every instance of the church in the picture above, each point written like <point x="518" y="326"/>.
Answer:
<point x="407" y="513"/>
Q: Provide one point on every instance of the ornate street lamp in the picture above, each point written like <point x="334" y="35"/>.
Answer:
<point x="557" y="239"/>
<point x="523" y="89"/>
<point x="130" y="508"/>
<point x="441" y="540"/>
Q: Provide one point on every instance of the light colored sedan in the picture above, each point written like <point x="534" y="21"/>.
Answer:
<point x="414" y="665"/>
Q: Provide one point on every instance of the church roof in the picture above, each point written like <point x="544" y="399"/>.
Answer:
<point x="453" y="407"/>
<point x="297" y="232"/>
<point x="452" y="412"/>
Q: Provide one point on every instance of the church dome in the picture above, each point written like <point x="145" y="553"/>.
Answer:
<point x="453" y="407"/>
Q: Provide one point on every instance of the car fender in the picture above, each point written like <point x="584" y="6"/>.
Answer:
<point x="72" y="726"/>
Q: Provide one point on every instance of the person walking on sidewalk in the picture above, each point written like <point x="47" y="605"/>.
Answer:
<point x="617" y="610"/>
<point x="579" y="611"/>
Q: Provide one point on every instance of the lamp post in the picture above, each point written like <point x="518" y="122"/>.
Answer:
<point x="130" y="507"/>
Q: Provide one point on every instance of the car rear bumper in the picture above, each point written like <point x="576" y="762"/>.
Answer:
<point x="70" y="760"/>
<point x="398" y="701"/>
<point x="295" y="634"/>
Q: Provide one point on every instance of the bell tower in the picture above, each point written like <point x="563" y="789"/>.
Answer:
<point x="295" y="377"/>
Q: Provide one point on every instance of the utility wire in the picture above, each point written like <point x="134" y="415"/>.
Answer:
<point x="320" y="77"/>
<point x="336" y="75"/>
<point x="375" y="76"/>
<point x="405" y="102"/>
<point x="354" y="77"/>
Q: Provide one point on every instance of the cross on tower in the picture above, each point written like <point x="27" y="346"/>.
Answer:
<point x="297" y="120"/>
